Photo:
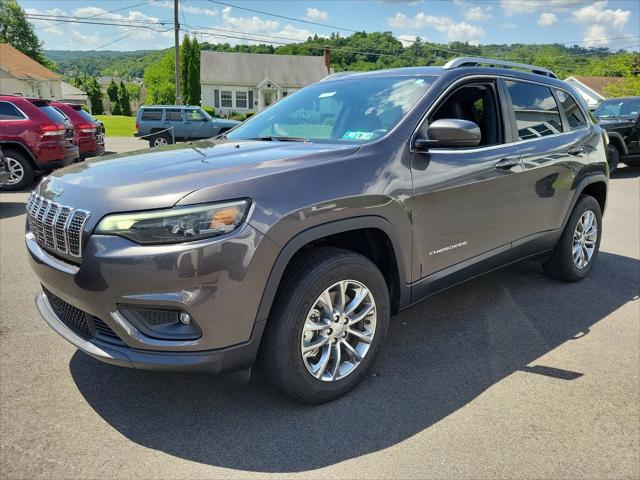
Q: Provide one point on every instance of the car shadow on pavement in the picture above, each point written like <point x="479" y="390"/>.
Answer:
<point x="626" y="172"/>
<point x="439" y="356"/>
<point x="11" y="209"/>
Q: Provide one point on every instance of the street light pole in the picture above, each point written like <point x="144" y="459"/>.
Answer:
<point x="176" y="34"/>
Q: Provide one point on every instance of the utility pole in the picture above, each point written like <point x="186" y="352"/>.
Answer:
<point x="176" y="33"/>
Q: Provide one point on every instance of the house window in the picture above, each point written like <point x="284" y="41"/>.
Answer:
<point x="226" y="99"/>
<point x="284" y="93"/>
<point x="241" y="99"/>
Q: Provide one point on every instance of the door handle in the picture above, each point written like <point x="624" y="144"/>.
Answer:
<point x="507" y="163"/>
<point x="575" y="150"/>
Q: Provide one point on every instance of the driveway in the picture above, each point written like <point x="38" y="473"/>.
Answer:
<point x="509" y="375"/>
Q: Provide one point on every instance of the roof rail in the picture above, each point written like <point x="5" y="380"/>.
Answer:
<point x="475" y="61"/>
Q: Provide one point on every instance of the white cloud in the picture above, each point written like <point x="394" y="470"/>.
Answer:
<point x="547" y="19"/>
<point x="477" y="14"/>
<point x="189" y="9"/>
<point x="602" y="23"/>
<point x="521" y="7"/>
<point x="49" y="26"/>
<point x="317" y="15"/>
<point x="508" y="26"/>
<point x="462" y="31"/>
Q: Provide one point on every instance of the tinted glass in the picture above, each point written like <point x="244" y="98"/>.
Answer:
<point x="53" y="113"/>
<point x="173" y="115"/>
<point x="346" y="110"/>
<point x="86" y="115"/>
<point x="628" y="107"/>
<point x="536" y="110"/>
<point x="572" y="111"/>
<point x="151" y="114"/>
<point x="9" y="112"/>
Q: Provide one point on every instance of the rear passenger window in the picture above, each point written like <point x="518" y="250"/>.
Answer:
<point x="173" y="115"/>
<point x="9" y="112"/>
<point x="572" y="111"/>
<point x="151" y="114"/>
<point x="536" y="110"/>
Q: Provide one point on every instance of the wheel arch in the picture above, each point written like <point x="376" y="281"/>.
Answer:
<point x="373" y="237"/>
<point x="616" y="140"/>
<point x="595" y="185"/>
<point x="20" y="148"/>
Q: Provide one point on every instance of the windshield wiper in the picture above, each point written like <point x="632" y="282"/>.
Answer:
<point x="271" y="138"/>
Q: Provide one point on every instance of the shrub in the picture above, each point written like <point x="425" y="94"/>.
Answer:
<point x="210" y="110"/>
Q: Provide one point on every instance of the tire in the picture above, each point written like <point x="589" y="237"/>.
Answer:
<point x="160" y="140"/>
<point x="21" y="171"/>
<point x="306" y="279"/>
<point x="613" y="158"/>
<point x="561" y="265"/>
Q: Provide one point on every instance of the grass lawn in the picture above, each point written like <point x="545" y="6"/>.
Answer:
<point x="117" y="125"/>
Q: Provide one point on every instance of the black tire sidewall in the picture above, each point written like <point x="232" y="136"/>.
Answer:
<point x="291" y="315"/>
<point x="27" y="177"/>
<point x="566" y="244"/>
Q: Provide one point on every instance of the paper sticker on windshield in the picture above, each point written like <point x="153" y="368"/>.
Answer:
<point x="357" y="135"/>
<point x="326" y="94"/>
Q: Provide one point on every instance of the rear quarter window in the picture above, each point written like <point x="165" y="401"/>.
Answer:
<point x="537" y="113"/>
<point x="151" y="114"/>
<point x="53" y="113"/>
<point x="574" y="114"/>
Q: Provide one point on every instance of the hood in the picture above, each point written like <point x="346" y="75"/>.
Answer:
<point x="159" y="178"/>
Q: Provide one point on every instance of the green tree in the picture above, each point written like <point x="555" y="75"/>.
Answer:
<point x="194" y="74"/>
<point x="94" y="92"/>
<point x="185" y="58"/>
<point x="123" y="100"/>
<point x="627" y="87"/>
<point x="133" y="89"/>
<point x="160" y="79"/>
<point x="19" y="33"/>
<point x="112" y="91"/>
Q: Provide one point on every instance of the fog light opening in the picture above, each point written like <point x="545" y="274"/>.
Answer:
<point x="185" y="318"/>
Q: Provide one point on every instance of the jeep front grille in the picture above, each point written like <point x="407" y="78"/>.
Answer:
<point x="56" y="227"/>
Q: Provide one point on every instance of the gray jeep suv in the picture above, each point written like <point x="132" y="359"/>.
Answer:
<point x="162" y="125"/>
<point x="294" y="238"/>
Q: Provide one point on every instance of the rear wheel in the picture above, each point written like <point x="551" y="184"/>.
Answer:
<point x="160" y="140"/>
<point x="20" y="171"/>
<point x="327" y="325"/>
<point x="613" y="158"/>
<point x="577" y="249"/>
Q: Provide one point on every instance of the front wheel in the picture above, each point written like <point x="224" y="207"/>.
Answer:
<point x="328" y="322"/>
<point x="576" y="251"/>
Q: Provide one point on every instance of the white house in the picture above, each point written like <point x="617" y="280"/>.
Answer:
<point x="592" y="88"/>
<point x="249" y="82"/>
<point x="21" y="75"/>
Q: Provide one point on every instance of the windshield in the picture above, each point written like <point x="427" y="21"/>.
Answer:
<point x="354" y="110"/>
<point x="618" y="108"/>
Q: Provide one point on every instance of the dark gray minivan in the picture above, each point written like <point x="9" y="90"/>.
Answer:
<point x="165" y="124"/>
<point x="295" y="237"/>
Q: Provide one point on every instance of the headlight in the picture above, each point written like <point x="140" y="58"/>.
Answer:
<point x="174" y="225"/>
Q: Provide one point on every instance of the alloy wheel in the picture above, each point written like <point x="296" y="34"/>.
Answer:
<point x="16" y="171"/>
<point x="338" y="330"/>
<point x="585" y="237"/>
<point x="160" y="142"/>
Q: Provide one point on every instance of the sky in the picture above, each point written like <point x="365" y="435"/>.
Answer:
<point x="606" y="23"/>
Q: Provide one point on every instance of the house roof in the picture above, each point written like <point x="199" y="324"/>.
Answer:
<point x="252" y="68"/>
<point x="596" y="84"/>
<point x="21" y="66"/>
<point x="72" y="93"/>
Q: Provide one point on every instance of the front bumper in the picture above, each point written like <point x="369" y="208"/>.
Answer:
<point x="219" y="283"/>
<point x="221" y="360"/>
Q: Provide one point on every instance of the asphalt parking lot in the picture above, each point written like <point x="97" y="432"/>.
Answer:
<point x="511" y="375"/>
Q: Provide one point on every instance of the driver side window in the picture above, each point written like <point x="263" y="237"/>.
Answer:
<point x="477" y="103"/>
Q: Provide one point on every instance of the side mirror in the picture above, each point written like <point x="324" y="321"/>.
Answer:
<point x="450" y="132"/>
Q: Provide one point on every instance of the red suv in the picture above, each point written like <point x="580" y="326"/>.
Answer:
<point x="87" y="130"/>
<point x="35" y="137"/>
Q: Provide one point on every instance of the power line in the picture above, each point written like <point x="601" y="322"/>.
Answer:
<point x="309" y="22"/>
